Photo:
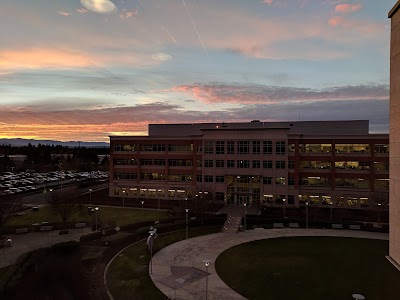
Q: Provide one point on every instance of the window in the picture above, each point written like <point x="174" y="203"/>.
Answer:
<point x="267" y="147"/>
<point x="151" y="176"/>
<point x="241" y="164"/>
<point x="220" y="147"/>
<point x="208" y="178"/>
<point x="256" y="147"/>
<point x="126" y="176"/>
<point x="290" y="181"/>
<point x="256" y="164"/>
<point x="352" y="183"/>
<point x="267" y="164"/>
<point x="290" y="199"/>
<point x="267" y="180"/>
<point x="131" y="147"/>
<point x="381" y="148"/>
<point x="352" y="148"/>
<point x="180" y="162"/>
<point x="280" y="147"/>
<point x="324" y="165"/>
<point x="243" y="147"/>
<point x="315" y="148"/>
<point x="230" y="163"/>
<point x="125" y="162"/>
<point x="199" y="178"/>
<point x="291" y="164"/>
<point x="230" y="147"/>
<point x="208" y="147"/>
<point x="292" y="148"/>
<point x="208" y="163"/>
<point x="220" y="163"/>
<point x="381" y="166"/>
<point x="180" y="148"/>
<point x="152" y="148"/>
<point x="280" y="164"/>
<point x="352" y="165"/>
<point x="179" y="177"/>
<point x="219" y="178"/>
<point x="314" y="181"/>
<point x="280" y="180"/>
<point x="199" y="162"/>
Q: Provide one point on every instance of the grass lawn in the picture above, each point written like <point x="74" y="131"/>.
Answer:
<point x="117" y="215"/>
<point x="3" y="271"/>
<point x="128" y="275"/>
<point x="300" y="268"/>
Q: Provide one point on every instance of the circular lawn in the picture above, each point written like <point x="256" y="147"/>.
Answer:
<point x="310" y="268"/>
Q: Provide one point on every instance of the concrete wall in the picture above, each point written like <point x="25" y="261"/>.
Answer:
<point x="394" y="169"/>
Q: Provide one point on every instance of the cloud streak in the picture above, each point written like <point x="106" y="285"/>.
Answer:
<point x="263" y="94"/>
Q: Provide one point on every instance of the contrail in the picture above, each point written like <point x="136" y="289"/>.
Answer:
<point x="194" y="26"/>
<point x="170" y="35"/>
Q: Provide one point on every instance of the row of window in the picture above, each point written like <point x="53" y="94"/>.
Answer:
<point x="266" y="180"/>
<point x="244" y="147"/>
<point x="339" y="148"/>
<point x="256" y="164"/>
<point x="154" y="147"/>
<point x="254" y="147"/>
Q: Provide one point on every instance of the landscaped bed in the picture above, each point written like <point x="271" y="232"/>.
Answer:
<point x="111" y="215"/>
<point x="310" y="268"/>
<point x="128" y="275"/>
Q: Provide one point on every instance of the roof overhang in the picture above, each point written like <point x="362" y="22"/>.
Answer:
<point x="394" y="9"/>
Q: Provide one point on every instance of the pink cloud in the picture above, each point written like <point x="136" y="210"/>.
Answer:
<point x="348" y="8"/>
<point x="64" y="13"/>
<point x="361" y="26"/>
<point x="268" y="1"/>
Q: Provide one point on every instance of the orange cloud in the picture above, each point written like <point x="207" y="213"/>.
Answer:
<point x="41" y="58"/>
<point x="361" y="26"/>
<point x="348" y="8"/>
<point x="268" y="1"/>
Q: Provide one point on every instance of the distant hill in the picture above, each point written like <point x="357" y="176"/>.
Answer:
<point x="25" y="142"/>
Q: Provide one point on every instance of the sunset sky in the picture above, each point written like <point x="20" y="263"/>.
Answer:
<point x="84" y="71"/>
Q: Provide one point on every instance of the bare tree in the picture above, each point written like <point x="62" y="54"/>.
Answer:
<point x="65" y="203"/>
<point x="9" y="206"/>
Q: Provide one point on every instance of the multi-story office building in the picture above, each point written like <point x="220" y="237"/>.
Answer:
<point x="334" y="163"/>
<point x="394" y="214"/>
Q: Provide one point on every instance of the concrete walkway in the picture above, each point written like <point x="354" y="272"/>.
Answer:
<point x="190" y="254"/>
<point x="25" y="242"/>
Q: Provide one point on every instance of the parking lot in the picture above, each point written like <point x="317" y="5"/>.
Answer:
<point x="25" y="182"/>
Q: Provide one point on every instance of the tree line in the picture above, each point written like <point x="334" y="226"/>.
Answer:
<point x="46" y="158"/>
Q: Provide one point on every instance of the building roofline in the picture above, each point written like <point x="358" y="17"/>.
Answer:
<point x="394" y="9"/>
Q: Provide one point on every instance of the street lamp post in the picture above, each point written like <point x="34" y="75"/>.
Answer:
<point x="245" y="213"/>
<point x="142" y="207"/>
<point x="306" y="214"/>
<point x="187" y="220"/>
<point x="90" y="197"/>
<point x="331" y="213"/>
<point x="123" y="198"/>
<point x="150" y="243"/>
<point x="206" y="263"/>
<point x="379" y="214"/>
<point x="284" y="208"/>
<point x="96" y="210"/>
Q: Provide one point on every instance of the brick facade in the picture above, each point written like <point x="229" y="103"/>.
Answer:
<point x="394" y="213"/>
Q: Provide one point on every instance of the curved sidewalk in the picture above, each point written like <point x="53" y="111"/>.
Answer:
<point x="186" y="280"/>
